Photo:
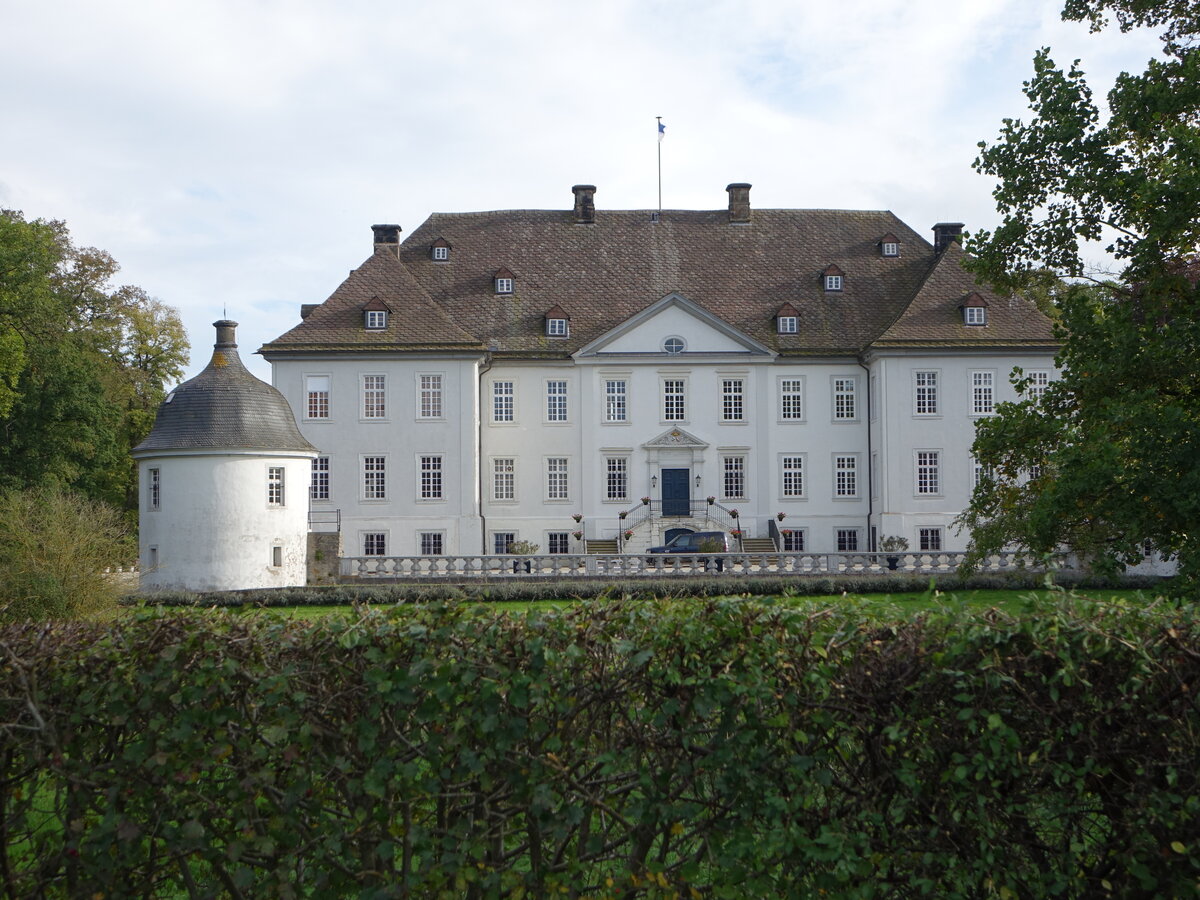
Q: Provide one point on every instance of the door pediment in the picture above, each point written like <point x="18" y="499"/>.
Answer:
<point x="675" y="439"/>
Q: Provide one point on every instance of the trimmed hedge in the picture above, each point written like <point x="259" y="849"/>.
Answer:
<point x="712" y="748"/>
<point x="677" y="587"/>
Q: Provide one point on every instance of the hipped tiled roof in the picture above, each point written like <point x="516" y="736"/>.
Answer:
<point x="608" y="271"/>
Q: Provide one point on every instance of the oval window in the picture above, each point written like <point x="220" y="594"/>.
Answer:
<point x="674" y="345"/>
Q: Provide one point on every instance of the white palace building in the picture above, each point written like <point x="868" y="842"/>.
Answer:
<point x="495" y="375"/>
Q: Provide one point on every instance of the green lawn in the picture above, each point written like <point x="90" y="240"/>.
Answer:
<point x="889" y="605"/>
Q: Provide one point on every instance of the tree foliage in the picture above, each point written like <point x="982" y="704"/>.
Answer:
<point x="83" y="363"/>
<point x="1106" y="459"/>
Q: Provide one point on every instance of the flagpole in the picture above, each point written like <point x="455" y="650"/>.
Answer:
<point x="660" y="137"/>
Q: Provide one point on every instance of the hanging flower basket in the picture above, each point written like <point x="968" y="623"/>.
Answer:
<point x="622" y="514"/>
<point x="781" y="516"/>
<point x="733" y="513"/>
<point x="578" y="535"/>
<point x="578" y="517"/>
<point x="711" y="500"/>
<point x="628" y="534"/>
<point x="645" y="501"/>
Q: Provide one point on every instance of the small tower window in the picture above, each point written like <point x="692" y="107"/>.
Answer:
<point x="439" y="250"/>
<point x="974" y="310"/>
<point x="833" y="278"/>
<point x="504" y="281"/>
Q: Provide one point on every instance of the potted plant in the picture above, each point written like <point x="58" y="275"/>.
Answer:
<point x="578" y="517"/>
<point x="628" y="533"/>
<point x="893" y="544"/>
<point x="521" y="548"/>
<point x="733" y="514"/>
<point x="780" y="516"/>
<point x="622" y="514"/>
<point x="578" y="535"/>
<point x="645" y="501"/>
<point x="711" y="499"/>
<point x="712" y="545"/>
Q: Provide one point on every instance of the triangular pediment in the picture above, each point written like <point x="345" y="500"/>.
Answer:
<point x="676" y="437"/>
<point x="674" y="317"/>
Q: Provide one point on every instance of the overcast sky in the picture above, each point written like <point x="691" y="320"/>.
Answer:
<point x="233" y="154"/>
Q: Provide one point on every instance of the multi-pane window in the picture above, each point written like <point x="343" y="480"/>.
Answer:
<point x="979" y="472"/>
<point x="376" y="319"/>
<point x="793" y="476"/>
<point x="793" y="540"/>
<point x="374" y="478"/>
<point x="154" y="489"/>
<point x="431" y="478"/>
<point x="556" y="478"/>
<point x="374" y="391"/>
<point x="674" y="409"/>
<point x="732" y="397"/>
<point x="733" y="481"/>
<point x="374" y="543"/>
<point x="1038" y="381"/>
<point x="430" y="396"/>
<point x="925" y="386"/>
<point x="929" y="472"/>
<point x="833" y="282"/>
<point x="275" y="486"/>
<point x="983" y="398"/>
<point x="844" y="405"/>
<point x="615" y="390"/>
<point x="556" y="401"/>
<point x="441" y="254"/>
<point x="318" y="488"/>
<point x="504" y="478"/>
<point x="974" y="315"/>
<point x="617" y="471"/>
<point x="317" y="392"/>
<point x="556" y="327"/>
<point x="891" y="248"/>
<point x="791" y="399"/>
<point x="929" y="538"/>
<point x="558" y="542"/>
<point x="502" y="540"/>
<point x="788" y="324"/>
<point x="502" y="401"/>
<point x="432" y="543"/>
<point x="845" y="472"/>
<point x="847" y="540"/>
<point x="504" y="285"/>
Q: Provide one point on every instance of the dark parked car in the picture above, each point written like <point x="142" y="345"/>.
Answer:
<point x="697" y="542"/>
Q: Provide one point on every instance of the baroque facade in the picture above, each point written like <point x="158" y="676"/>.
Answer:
<point x="497" y="374"/>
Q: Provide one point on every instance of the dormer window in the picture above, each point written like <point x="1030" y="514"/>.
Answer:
<point x="974" y="310"/>
<point x="439" y="250"/>
<point x="504" y="281"/>
<point x="558" y="324"/>
<point x="889" y="245"/>
<point x="787" y="320"/>
<point x="833" y="278"/>
<point x="375" y="315"/>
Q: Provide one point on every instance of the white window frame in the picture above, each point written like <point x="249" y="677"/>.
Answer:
<point x="504" y="285"/>
<point x="844" y="400"/>
<point x="501" y="541"/>
<point x="154" y="489"/>
<point x="974" y="315"/>
<point x="833" y="282"/>
<point x="318" y="486"/>
<point x="792" y="476"/>
<point x="734" y="476"/>
<point x="374" y="403"/>
<point x="373" y="540"/>
<point x="890" y="248"/>
<point x="431" y="396"/>
<point x="431" y="481"/>
<point x="978" y="472"/>
<point x="928" y="536"/>
<point x="791" y="394"/>
<point x="373" y="467"/>
<point x="316" y="400"/>
<point x="983" y="391"/>
<point x="504" y="403"/>
<point x="435" y="539"/>
<point x="680" y="399"/>
<point x="375" y="320"/>
<point x="557" y="408"/>
<point x="733" y="400"/>
<point x="1039" y="380"/>
<point x="504" y="479"/>
<point x="925" y="393"/>
<point x="795" y="540"/>
<point x="842" y="537"/>
<point x="556" y="327"/>
<point x="276" y="497"/>
<point x="927" y="473"/>
<point x="558" y="479"/>
<point x="562" y="538"/>
<point x="673" y="345"/>
<point x="845" y="477"/>
<point x="616" y="400"/>
<point x="616" y="479"/>
<point x="441" y="254"/>
<point x="276" y="556"/>
<point x="788" y="324"/>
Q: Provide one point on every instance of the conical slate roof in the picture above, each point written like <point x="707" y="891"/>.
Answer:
<point x="224" y="408"/>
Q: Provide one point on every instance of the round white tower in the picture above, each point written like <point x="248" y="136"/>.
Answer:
<point x="223" y="483"/>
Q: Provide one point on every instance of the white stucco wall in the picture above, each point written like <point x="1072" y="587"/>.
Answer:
<point x="213" y="529"/>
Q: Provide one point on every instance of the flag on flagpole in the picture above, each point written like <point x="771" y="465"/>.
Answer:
<point x="662" y="130"/>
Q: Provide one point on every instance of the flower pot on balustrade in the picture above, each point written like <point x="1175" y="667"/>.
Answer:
<point x="892" y="544"/>
<point x="522" y="548"/>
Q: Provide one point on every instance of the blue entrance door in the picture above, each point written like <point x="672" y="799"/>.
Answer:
<point x="676" y="500"/>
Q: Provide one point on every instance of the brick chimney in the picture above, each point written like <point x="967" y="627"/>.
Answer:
<point x="945" y="233"/>
<point x="739" y="202"/>
<point x="387" y="237"/>
<point x="585" y="204"/>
